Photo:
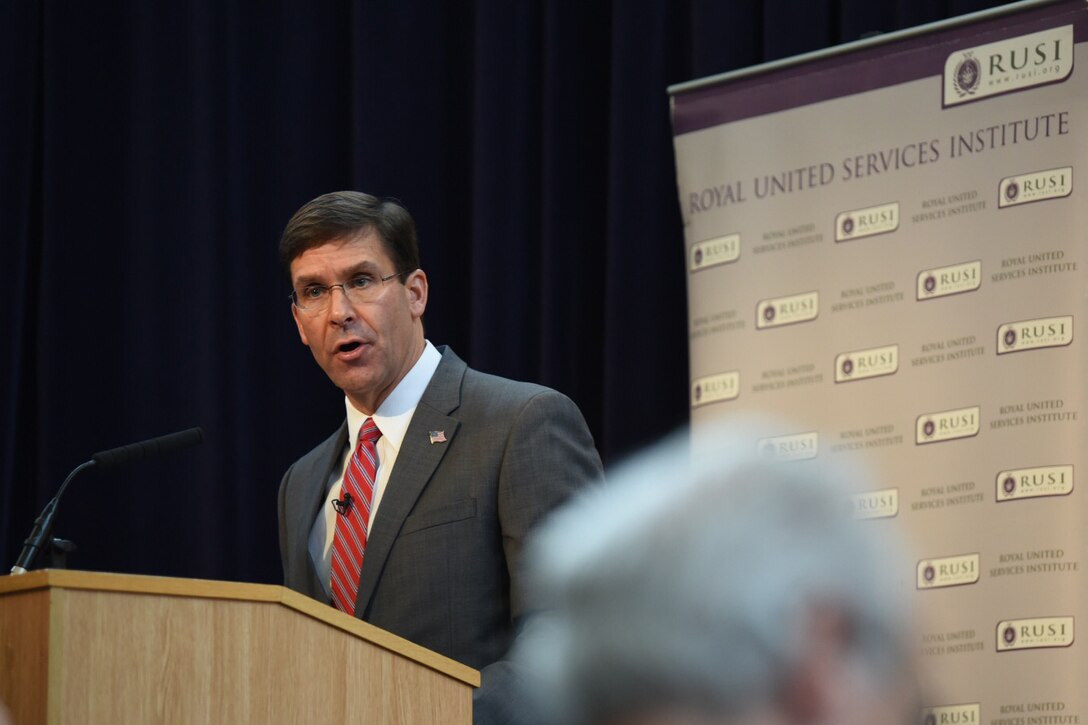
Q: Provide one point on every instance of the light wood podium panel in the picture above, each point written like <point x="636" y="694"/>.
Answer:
<point x="88" y="648"/>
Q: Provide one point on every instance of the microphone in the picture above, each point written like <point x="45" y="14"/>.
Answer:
<point x="145" y="449"/>
<point x="343" y="506"/>
<point x="43" y="525"/>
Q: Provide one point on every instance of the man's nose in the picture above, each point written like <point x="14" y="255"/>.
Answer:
<point x="340" y="307"/>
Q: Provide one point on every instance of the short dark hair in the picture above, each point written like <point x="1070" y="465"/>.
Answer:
<point x="341" y="215"/>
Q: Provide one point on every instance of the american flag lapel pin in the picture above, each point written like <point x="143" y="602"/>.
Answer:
<point x="438" y="436"/>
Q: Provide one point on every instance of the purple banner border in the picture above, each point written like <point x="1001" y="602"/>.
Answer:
<point x="915" y="56"/>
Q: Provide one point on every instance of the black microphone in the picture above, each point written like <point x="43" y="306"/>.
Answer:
<point x="342" y="507"/>
<point x="43" y="525"/>
<point x="144" y="449"/>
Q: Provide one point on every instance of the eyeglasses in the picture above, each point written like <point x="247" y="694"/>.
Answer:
<point x="360" y="289"/>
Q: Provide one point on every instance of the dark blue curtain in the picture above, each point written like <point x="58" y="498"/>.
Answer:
<point x="150" y="154"/>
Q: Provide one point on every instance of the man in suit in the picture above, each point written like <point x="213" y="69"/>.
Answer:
<point x="412" y="514"/>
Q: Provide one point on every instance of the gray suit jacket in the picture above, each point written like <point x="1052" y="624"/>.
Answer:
<point x="442" y="564"/>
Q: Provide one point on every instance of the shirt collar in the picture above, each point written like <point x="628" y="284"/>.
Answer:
<point x="395" y="413"/>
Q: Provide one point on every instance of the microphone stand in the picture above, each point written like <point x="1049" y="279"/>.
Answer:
<point x="43" y="529"/>
<point x="36" y="543"/>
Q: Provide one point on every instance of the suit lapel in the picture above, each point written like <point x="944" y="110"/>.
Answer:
<point x="416" y="463"/>
<point x="325" y="467"/>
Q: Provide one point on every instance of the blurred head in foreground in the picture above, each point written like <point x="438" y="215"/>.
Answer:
<point x="727" y="589"/>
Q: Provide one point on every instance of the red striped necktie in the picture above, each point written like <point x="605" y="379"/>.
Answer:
<point x="353" y="521"/>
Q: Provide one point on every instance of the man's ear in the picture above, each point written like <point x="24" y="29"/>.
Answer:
<point x="416" y="286"/>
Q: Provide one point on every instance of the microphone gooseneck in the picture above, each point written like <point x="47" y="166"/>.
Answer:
<point x="43" y="525"/>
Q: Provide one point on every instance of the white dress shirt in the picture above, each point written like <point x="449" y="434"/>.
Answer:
<point x="392" y="418"/>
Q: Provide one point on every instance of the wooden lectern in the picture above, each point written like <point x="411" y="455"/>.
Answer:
<point x="86" y="648"/>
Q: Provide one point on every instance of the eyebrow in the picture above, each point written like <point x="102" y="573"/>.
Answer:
<point x="365" y="266"/>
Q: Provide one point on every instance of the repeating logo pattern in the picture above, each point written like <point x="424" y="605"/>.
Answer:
<point x="1037" y="633"/>
<point x="715" y="388"/>
<point x="947" y="425"/>
<point x="950" y="280"/>
<point x="882" y="504"/>
<point x="1034" y="334"/>
<point x="936" y="327"/>
<point x="789" y="310"/>
<point x="1041" y="481"/>
<point x="794" y="447"/>
<point x="966" y="714"/>
<point x="1036" y="186"/>
<point x="949" y="571"/>
<point x="863" y="364"/>
<point x="867" y="222"/>
<point x="713" y="252"/>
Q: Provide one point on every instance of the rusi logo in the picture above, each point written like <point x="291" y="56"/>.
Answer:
<point x="1008" y="65"/>
<point x="883" y="504"/>
<point x="715" y="388"/>
<point x="787" y="310"/>
<point x="862" y="364"/>
<point x="712" y="252"/>
<point x="967" y="75"/>
<point x="1034" y="633"/>
<point x="1034" y="482"/>
<point x="866" y="222"/>
<point x="952" y="280"/>
<point x="947" y="425"/>
<point x="1036" y="186"/>
<point x="950" y="571"/>
<point x="797" y="447"/>
<point x="1035" y="334"/>
<point x="968" y="714"/>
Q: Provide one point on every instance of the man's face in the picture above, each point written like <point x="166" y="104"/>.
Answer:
<point x="367" y="348"/>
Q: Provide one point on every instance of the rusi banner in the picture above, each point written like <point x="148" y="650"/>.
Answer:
<point x="871" y="233"/>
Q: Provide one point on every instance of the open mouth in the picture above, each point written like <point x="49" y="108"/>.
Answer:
<point x="349" y="347"/>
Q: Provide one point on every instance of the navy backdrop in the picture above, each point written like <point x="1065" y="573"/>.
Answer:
<point x="150" y="154"/>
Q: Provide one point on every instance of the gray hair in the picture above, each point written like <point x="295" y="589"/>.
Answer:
<point x="687" y="581"/>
